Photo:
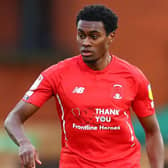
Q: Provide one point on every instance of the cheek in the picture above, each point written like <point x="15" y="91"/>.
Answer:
<point x="78" y="43"/>
<point x="100" y="49"/>
<point x="103" y="46"/>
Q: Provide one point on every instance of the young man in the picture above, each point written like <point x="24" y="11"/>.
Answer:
<point x="94" y="93"/>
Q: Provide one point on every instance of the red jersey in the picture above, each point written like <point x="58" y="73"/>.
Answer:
<point x="94" y="109"/>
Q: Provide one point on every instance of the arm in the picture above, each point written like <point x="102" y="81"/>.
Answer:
<point x="14" y="127"/>
<point x="154" y="141"/>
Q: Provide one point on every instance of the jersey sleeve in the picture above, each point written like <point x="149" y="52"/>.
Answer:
<point x="39" y="92"/>
<point x="143" y="104"/>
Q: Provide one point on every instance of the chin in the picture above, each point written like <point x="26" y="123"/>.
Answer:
<point x="88" y="59"/>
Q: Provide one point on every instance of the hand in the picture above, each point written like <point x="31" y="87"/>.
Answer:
<point x="28" y="155"/>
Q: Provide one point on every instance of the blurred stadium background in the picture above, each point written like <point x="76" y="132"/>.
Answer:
<point x="37" y="33"/>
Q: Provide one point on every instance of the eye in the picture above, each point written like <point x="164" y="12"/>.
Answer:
<point x="94" y="36"/>
<point x="82" y="36"/>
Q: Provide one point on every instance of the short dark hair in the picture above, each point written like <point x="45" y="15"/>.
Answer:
<point x="99" y="13"/>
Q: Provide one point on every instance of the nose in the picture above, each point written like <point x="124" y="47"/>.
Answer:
<point x="86" y="42"/>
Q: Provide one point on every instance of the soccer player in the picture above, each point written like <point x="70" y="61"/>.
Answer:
<point x="94" y="92"/>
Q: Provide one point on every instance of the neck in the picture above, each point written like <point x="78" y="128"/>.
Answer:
<point x="100" y="63"/>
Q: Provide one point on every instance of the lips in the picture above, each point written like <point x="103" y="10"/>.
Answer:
<point x="86" y="52"/>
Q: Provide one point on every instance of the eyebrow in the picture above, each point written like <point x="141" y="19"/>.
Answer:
<point x="93" y="31"/>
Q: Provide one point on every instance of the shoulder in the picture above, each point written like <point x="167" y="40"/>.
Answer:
<point x="135" y="75"/>
<point x="129" y="68"/>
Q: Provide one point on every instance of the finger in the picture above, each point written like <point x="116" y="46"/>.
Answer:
<point x="37" y="159"/>
<point x="31" y="160"/>
<point x="28" y="160"/>
<point x="25" y="160"/>
<point x="21" y="162"/>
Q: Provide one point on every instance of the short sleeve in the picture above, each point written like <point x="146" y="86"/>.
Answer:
<point x="143" y="104"/>
<point x="39" y="92"/>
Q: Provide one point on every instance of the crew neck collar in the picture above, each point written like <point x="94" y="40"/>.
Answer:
<point x="87" y="68"/>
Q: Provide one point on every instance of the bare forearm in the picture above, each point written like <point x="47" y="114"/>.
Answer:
<point x="15" y="119"/>
<point x="14" y="128"/>
<point x="155" y="150"/>
<point x="27" y="152"/>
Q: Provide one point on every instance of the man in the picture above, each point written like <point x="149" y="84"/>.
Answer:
<point x="94" y="93"/>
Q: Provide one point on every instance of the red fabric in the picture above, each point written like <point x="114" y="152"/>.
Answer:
<point x="94" y="109"/>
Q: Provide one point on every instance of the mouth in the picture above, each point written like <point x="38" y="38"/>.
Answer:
<point x="86" y="53"/>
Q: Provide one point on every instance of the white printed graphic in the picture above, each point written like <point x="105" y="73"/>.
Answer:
<point x="150" y="92"/>
<point x="125" y="113"/>
<point x="117" y="96"/>
<point x="150" y="95"/>
<point x="36" y="83"/>
<point x="131" y="130"/>
<point x="117" y="85"/>
<point x="33" y="87"/>
<point x="95" y="128"/>
<point x="78" y="90"/>
<point x="29" y="93"/>
<point x="152" y="104"/>
<point x="105" y="111"/>
<point x="62" y="117"/>
<point x="132" y="134"/>
<point x="103" y="119"/>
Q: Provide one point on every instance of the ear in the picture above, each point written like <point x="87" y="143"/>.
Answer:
<point x="111" y="36"/>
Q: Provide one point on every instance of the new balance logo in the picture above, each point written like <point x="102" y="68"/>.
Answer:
<point x="78" y="90"/>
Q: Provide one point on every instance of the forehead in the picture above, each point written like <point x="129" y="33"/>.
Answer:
<point x="90" y="26"/>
